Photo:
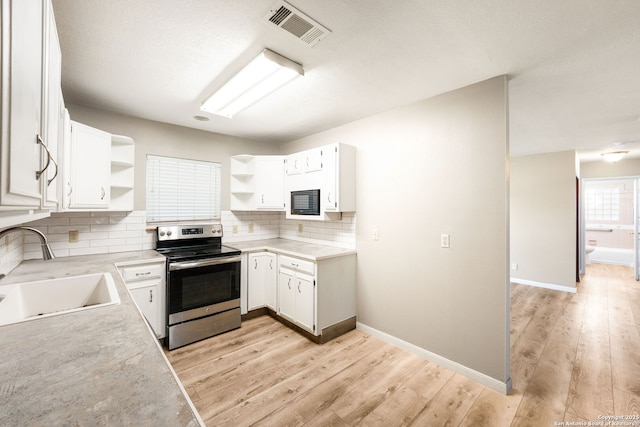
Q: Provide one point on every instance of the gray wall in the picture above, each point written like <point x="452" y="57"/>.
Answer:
<point x="543" y="218"/>
<point x="170" y="140"/>
<point x="437" y="166"/>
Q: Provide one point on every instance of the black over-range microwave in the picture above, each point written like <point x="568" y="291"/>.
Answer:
<point x="305" y="202"/>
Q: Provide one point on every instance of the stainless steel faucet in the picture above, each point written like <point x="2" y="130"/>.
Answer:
<point x="47" y="253"/>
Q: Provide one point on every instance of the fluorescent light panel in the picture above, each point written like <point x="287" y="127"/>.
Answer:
<point x="266" y="73"/>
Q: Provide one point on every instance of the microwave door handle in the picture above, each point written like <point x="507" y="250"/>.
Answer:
<point x="173" y="266"/>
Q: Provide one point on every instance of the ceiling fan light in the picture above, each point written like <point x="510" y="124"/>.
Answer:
<point x="264" y="74"/>
<point x="614" y="156"/>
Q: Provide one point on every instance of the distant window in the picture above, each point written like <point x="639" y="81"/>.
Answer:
<point x="603" y="204"/>
<point x="182" y="190"/>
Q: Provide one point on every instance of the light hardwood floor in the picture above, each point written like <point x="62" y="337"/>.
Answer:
<point x="574" y="357"/>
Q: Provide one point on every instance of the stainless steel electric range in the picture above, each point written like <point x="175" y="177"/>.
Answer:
<point x="203" y="283"/>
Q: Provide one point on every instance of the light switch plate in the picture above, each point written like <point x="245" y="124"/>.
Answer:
<point x="444" y="241"/>
<point x="251" y="228"/>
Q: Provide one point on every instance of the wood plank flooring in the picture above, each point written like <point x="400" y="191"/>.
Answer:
<point x="574" y="357"/>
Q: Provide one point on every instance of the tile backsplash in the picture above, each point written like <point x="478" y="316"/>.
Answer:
<point x="98" y="233"/>
<point x="107" y="232"/>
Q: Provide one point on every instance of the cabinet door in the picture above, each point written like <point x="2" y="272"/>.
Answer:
<point x="304" y="302"/>
<point x="270" y="182"/>
<point x="271" y="281"/>
<point x="147" y="298"/>
<point x="22" y="72"/>
<point x="286" y="294"/>
<point x="294" y="164"/>
<point x="90" y="167"/>
<point x="54" y="110"/>
<point x="312" y="160"/>
<point x="330" y="181"/>
<point x="256" y="284"/>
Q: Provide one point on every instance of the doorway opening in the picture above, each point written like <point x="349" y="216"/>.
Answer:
<point x="609" y="222"/>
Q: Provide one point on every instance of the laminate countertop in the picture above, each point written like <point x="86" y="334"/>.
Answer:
<point x="310" y="251"/>
<point x="100" y="366"/>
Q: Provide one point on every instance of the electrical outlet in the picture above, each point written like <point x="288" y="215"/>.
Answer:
<point x="251" y="228"/>
<point x="376" y="234"/>
<point x="514" y="266"/>
<point x="300" y="228"/>
<point x="74" y="236"/>
<point x="444" y="241"/>
<point x="234" y="229"/>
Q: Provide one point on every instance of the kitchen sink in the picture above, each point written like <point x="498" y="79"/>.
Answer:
<point x="21" y="302"/>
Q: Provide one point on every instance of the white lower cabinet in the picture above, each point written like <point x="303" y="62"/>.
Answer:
<point x="147" y="297"/>
<point x="261" y="280"/>
<point x="146" y="283"/>
<point x="296" y="292"/>
<point x="317" y="295"/>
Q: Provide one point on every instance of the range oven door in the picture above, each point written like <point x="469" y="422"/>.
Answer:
<point x="202" y="288"/>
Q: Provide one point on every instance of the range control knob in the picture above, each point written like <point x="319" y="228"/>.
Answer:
<point x="162" y="233"/>
<point x="169" y="233"/>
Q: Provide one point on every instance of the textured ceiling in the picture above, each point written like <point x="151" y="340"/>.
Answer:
<point x="574" y="65"/>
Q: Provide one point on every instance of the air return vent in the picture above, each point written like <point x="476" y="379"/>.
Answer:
<point x="296" y="23"/>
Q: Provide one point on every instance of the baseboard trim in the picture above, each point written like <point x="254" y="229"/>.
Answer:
<point x="479" y="377"/>
<point x="544" y="285"/>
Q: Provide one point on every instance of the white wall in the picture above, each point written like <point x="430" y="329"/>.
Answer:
<point x="601" y="169"/>
<point x="543" y="219"/>
<point x="437" y="166"/>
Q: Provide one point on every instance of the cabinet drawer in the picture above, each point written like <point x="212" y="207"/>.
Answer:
<point x="297" y="264"/>
<point x="142" y="272"/>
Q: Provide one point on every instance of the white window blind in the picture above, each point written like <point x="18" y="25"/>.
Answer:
<point x="182" y="190"/>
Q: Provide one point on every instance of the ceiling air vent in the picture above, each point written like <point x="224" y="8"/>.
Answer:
<point x="296" y="23"/>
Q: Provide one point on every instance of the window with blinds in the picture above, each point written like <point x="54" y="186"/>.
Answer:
<point x="182" y="190"/>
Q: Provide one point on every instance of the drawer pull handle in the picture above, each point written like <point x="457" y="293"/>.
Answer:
<point x="143" y="274"/>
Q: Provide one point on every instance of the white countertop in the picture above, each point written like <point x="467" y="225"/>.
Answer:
<point x="310" y="251"/>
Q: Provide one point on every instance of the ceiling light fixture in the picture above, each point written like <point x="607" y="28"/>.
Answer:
<point x="614" y="156"/>
<point x="266" y="73"/>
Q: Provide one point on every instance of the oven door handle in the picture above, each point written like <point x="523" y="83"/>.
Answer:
<point x="202" y="263"/>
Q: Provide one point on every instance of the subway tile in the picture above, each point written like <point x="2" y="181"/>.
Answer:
<point x="108" y="227"/>
<point x="89" y="220"/>
<point x="66" y="229"/>
<point x="125" y="248"/>
<point x="126" y="233"/>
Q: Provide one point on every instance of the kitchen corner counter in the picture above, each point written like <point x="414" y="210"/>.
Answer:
<point x="310" y="251"/>
<point x="94" y="367"/>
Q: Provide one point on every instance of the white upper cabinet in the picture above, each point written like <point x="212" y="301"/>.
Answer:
<point x="257" y="183"/>
<point x="90" y="168"/>
<point x="53" y="110"/>
<point x="22" y="77"/>
<point x="339" y="179"/>
<point x="30" y="90"/>
<point x="270" y="182"/>
<point x="305" y="162"/>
